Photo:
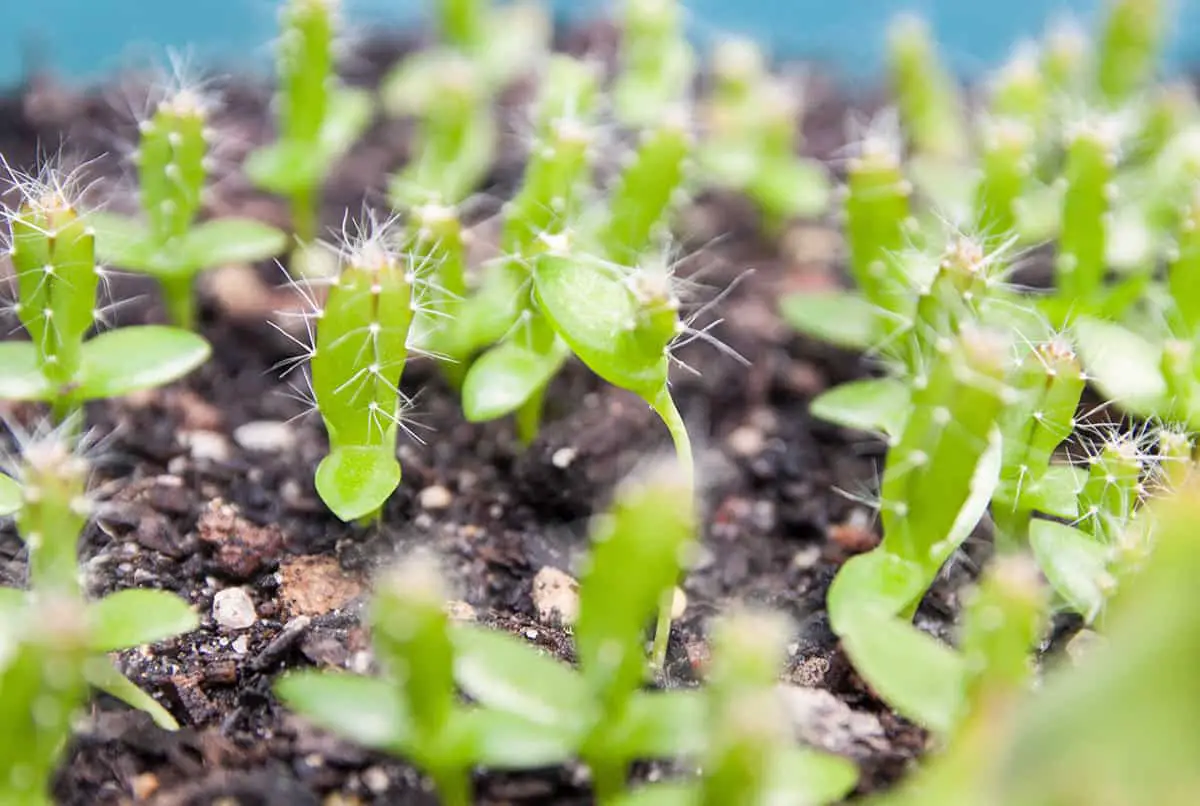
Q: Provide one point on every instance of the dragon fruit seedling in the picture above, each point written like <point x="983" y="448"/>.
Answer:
<point x="1004" y="619"/>
<point x="1129" y="47"/>
<point x="434" y="239"/>
<point x="751" y="755"/>
<point x="53" y="511"/>
<point x="927" y="96"/>
<point x="1066" y="57"/>
<point x="413" y="710"/>
<point x="877" y="225"/>
<point x="940" y="473"/>
<point x="52" y="247"/>
<point x="43" y="658"/>
<point x="657" y="63"/>
<point x="319" y="118"/>
<point x="173" y="163"/>
<point x="456" y="139"/>
<point x="1019" y="90"/>
<point x="752" y="120"/>
<point x="521" y="350"/>
<point x="1080" y="266"/>
<point x="1007" y="161"/>
<point x="639" y="548"/>
<point x="358" y="355"/>
<point x="1049" y="381"/>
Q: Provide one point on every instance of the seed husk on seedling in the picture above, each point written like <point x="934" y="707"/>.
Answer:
<point x="413" y="710"/>
<point x="600" y="711"/>
<point x="172" y="160"/>
<point x="52" y="247"/>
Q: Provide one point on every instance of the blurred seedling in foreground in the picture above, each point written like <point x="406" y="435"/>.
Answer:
<point x="51" y="243"/>
<point x="600" y="711"/>
<point x="53" y="511"/>
<point x="318" y="120"/>
<point x="751" y="120"/>
<point x="44" y="657"/>
<point x="413" y="711"/>
<point x="750" y="756"/>
<point x="173" y="165"/>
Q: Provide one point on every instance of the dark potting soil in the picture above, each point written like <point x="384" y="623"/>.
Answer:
<point x="207" y="485"/>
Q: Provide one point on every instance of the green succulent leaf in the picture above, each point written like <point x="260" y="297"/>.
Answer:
<point x="912" y="671"/>
<point x="502" y="379"/>
<point x="1056" y="493"/>
<point x="662" y="724"/>
<point x="355" y="481"/>
<point x="350" y="112"/>
<point x="367" y="710"/>
<point x="878" y="405"/>
<point x="101" y="674"/>
<point x="502" y="740"/>
<point x="507" y="674"/>
<point x="842" y="318"/>
<point x="668" y="794"/>
<point x="792" y="189"/>
<point x="285" y="167"/>
<point x="1123" y="366"/>
<point x="806" y="777"/>
<point x="124" y="241"/>
<point x="229" y="240"/>
<point x="1075" y="564"/>
<point x="22" y="378"/>
<point x="133" y="358"/>
<point x="134" y="617"/>
<point x="591" y="310"/>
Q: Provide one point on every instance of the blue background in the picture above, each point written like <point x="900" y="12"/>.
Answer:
<point x="82" y="39"/>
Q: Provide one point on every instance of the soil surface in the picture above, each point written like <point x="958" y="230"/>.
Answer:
<point x="206" y="486"/>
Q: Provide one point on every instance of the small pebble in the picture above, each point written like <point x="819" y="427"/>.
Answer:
<point x="806" y="557"/>
<point x="375" y="780"/>
<point x="563" y="457"/>
<point x="435" y="497"/>
<point x="144" y="785"/>
<point x="205" y="446"/>
<point x="265" y="436"/>
<point x="459" y="610"/>
<point x="678" y="604"/>
<point x="233" y="609"/>
<point x="556" y="596"/>
<point x="240" y="645"/>
<point x="746" y="441"/>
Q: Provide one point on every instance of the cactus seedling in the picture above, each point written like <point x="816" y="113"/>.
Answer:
<point x="172" y="162"/>
<point x="657" y="62"/>
<point x="926" y="94"/>
<point x="752" y="121"/>
<point x="413" y="711"/>
<point x="357" y="357"/>
<point x="43" y="655"/>
<point x="52" y="247"/>
<point x="938" y="478"/>
<point x="456" y="138"/>
<point x="1129" y="47"/>
<point x="53" y="511"/>
<point x="319" y="119"/>
<point x="637" y="551"/>
<point x="750" y="756"/>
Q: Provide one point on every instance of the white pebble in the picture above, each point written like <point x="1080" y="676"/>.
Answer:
<point x="435" y="497"/>
<point x="266" y="436"/>
<point x="233" y="609"/>
<point x="563" y="457"/>
<point x="205" y="445"/>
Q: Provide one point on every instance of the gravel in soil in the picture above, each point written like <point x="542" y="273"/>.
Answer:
<point x="205" y="488"/>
